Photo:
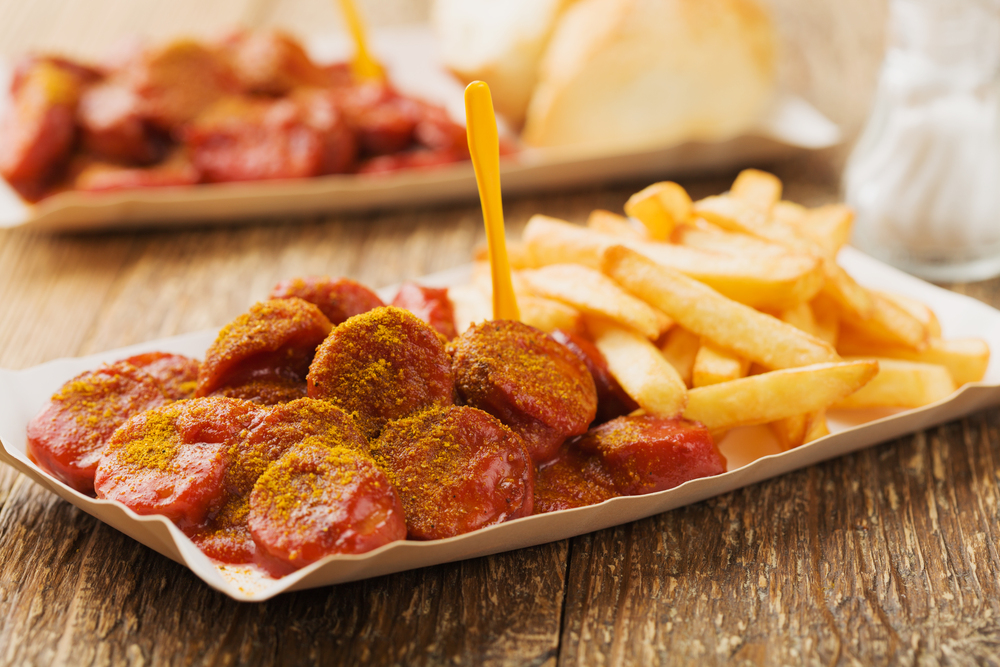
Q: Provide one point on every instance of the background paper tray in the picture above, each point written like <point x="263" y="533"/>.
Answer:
<point x="408" y="52"/>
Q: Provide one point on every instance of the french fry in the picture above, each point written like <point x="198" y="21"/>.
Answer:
<point x="469" y="305"/>
<point x="890" y="323"/>
<point x="737" y="215"/>
<point x="827" y="319"/>
<point x="707" y="236"/>
<point x="790" y="432"/>
<point x="680" y="347"/>
<point x="789" y="213"/>
<point x="758" y="188"/>
<point x="965" y="358"/>
<point x="697" y="307"/>
<point x="760" y="282"/>
<point x="766" y="282"/>
<point x="801" y="317"/>
<point x="475" y="303"/>
<point x="853" y="299"/>
<point x="518" y="255"/>
<point x="768" y="397"/>
<point x="606" y="222"/>
<point x="548" y="315"/>
<point x="592" y="292"/>
<point x="828" y="226"/>
<point x="660" y="207"/>
<point x="713" y="365"/>
<point x="818" y="428"/>
<point x="902" y="384"/>
<point x="640" y="368"/>
<point x="919" y="310"/>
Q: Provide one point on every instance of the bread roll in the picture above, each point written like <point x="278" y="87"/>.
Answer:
<point x="632" y="74"/>
<point x="496" y="41"/>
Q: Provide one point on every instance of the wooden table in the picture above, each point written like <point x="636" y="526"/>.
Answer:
<point x="889" y="555"/>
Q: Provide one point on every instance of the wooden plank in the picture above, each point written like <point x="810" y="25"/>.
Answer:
<point x="882" y="557"/>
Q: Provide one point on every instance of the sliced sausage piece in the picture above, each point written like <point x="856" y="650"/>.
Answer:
<point x="382" y="365"/>
<point x="247" y="139"/>
<point x="456" y="469"/>
<point x="382" y="120"/>
<point x="273" y="63"/>
<point x="338" y="143"/>
<point x="526" y="380"/>
<point x="112" y="126"/>
<point x="67" y="437"/>
<point x="265" y="390"/>
<point x="612" y="401"/>
<point x="276" y="338"/>
<point x="648" y="454"/>
<point x="572" y="479"/>
<point x="177" y="374"/>
<point x="411" y="159"/>
<point x="318" y="500"/>
<point x="431" y="304"/>
<point x="226" y="535"/>
<point x="37" y="134"/>
<point x="338" y="298"/>
<point x="96" y="176"/>
<point x="178" y="81"/>
<point x="173" y="460"/>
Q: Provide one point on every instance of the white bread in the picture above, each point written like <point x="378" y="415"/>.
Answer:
<point x="642" y="73"/>
<point x="496" y="41"/>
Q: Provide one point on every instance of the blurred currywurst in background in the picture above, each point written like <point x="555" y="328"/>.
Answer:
<point x="615" y="73"/>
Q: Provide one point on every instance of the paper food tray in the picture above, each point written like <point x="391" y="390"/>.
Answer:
<point x="409" y="54"/>
<point x="22" y="393"/>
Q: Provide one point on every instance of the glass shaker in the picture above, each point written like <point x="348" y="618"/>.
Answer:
<point x="924" y="177"/>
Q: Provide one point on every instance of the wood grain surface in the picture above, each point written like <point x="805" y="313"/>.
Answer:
<point x="887" y="556"/>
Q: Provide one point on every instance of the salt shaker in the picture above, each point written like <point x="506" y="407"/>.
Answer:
<point x="924" y="177"/>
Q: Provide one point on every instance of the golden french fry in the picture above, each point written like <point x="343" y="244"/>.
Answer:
<point x="902" y="384"/>
<point x="469" y="305"/>
<point x="639" y="368"/>
<point x="680" y="347"/>
<point x="966" y="358"/>
<point x="797" y="430"/>
<point x="790" y="432"/>
<point x="919" y="310"/>
<point x="518" y="255"/>
<point x="818" y="428"/>
<point x="592" y="292"/>
<point x="766" y="282"/>
<point x="759" y="399"/>
<point x="828" y="226"/>
<point x="660" y="207"/>
<point x="890" y="323"/>
<point x="548" y="315"/>
<point x="827" y="318"/>
<point x="697" y="307"/>
<point x="606" y="222"/>
<point x="706" y="236"/>
<point x="801" y="317"/>
<point x="737" y="215"/>
<point x="853" y="299"/>
<point x="713" y="365"/>
<point x="789" y="213"/>
<point x="757" y="188"/>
